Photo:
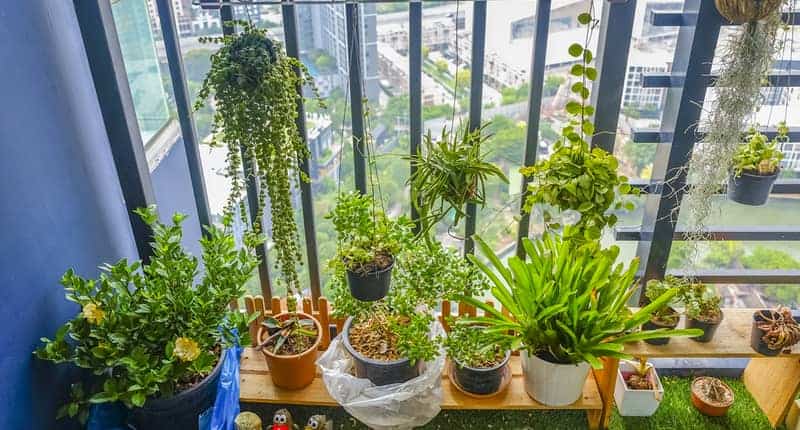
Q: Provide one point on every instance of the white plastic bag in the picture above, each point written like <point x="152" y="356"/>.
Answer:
<point x="389" y="407"/>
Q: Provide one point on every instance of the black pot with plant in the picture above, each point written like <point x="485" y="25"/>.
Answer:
<point x="756" y="167"/>
<point x="665" y="316"/>
<point x="479" y="367"/>
<point x="773" y="331"/>
<point x="380" y="365"/>
<point x="702" y="310"/>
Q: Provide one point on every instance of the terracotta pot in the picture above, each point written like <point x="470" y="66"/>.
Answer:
<point x="292" y="372"/>
<point x="705" y="407"/>
<point x="741" y="11"/>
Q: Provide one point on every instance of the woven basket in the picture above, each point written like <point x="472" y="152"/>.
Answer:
<point x="741" y="11"/>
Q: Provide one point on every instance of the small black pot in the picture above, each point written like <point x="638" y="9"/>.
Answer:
<point x="756" y="334"/>
<point x="750" y="189"/>
<point x="650" y="325"/>
<point x="708" y="328"/>
<point x="480" y="380"/>
<point x="180" y="411"/>
<point x="372" y="286"/>
<point x="377" y="371"/>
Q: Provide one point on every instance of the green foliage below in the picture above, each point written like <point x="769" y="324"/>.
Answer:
<point x="133" y="314"/>
<point x="567" y="301"/>
<point x="759" y="155"/>
<point x="470" y="346"/>
<point x="254" y="85"/>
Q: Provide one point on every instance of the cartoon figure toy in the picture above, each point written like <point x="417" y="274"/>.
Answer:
<point x="282" y="420"/>
<point x="319" y="422"/>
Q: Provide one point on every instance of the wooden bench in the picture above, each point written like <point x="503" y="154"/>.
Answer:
<point x="773" y="382"/>
<point x="256" y="384"/>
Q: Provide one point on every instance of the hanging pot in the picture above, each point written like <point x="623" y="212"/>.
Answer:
<point x="750" y="189"/>
<point x="296" y="371"/>
<point x="379" y="372"/>
<point x="742" y="11"/>
<point x="636" y="403"/>
<point x="708" y="327"/>
<point x="655" y="325"/>
<point x="371" y="286"/>
<point x="553" y="384"/>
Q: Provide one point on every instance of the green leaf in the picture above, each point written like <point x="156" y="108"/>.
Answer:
<point x="576" y="70"/>
<point x="591" y="73"/>
<point x="573" y="107"/>
<point x="575" y="49"/>
<point x="584" y="18"/>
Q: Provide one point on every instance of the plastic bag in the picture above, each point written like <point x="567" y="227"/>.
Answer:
<point x="226" y="405"/>
<point x="389" y="407"/>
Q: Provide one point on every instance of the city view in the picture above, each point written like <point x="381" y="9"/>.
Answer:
<point x="446" y="38"/>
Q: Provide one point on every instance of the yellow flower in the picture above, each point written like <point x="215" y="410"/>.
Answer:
<point x="93" y="313"/>
<point x="186" y="349"/>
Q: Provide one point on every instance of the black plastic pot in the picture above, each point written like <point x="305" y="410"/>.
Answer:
<point x="756" y="334"/>
<point x="650" y="325"/>
<point x="377" y="371"/>
<point x="709" y="328"/>
<point x="180" y="411"/>
<point x="750" y="189"/>
<point x="480" y="380"/>
<point x="371" y="286"/>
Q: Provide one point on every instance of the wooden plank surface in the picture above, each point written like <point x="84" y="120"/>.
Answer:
<point x="256" y="387"/>
<point x="774" y="383"/>
<point x="732" y="339"/>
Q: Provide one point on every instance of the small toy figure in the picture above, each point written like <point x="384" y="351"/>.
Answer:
<point x="282" y="420"/>
<point x="248" y="421"/>
<point x="319" y="422"/>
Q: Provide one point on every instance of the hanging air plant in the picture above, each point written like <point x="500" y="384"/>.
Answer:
<point x="254" y="86"/>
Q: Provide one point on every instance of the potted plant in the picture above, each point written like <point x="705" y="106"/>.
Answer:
<point x="366" y="246"/>
<point x="449" y="174"/>
<point x="773" y="331"/>
<point x="152" y="334"/>
<point x="255" y="93"/>
<point x="756" y="165"/>
<point x="711" y="396"/>
<point x="289" y="341"/>
<point x="665" y="316"/>
<point x="576" y="177"/>
<point x="389" y="339"/>
<point x="702" y="310"/>
<point x="566" y="310"/>
<point x="479" y="366"/>
<point x="638" y="391"/>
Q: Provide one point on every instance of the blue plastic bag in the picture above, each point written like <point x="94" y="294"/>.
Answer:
<point x="226" y="405"/>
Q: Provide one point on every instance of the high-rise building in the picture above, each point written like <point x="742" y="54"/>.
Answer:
<point x="183" y="15"/>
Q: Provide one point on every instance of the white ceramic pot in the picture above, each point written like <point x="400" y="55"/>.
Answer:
<point x="636" y="403"/>
<point x="553" y="384"/>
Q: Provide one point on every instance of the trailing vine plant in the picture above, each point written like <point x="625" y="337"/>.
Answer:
<point x="747" y="55"/>
<point x="254" y="86"/>
<point x="576" y="177"/>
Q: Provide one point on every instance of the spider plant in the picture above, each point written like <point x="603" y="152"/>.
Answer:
<point x="450" y="172"/>
<point x="567" y="303"/>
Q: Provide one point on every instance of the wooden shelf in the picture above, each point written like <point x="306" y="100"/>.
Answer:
<point x="732" y="339"/>
<point x="256" y="387"/>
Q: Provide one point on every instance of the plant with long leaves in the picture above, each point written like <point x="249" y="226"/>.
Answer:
<point x="566" y="303"/>
<point x="450" y="173"/>
<point x="255" y="88"/>
<point x="279" y="332"/>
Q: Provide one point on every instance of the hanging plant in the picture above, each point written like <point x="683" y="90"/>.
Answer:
<point x="254" y="87"/>
<point x="756" y="165"/>
<point x="746" y="57"/>
<point x="742" y="11"/>
<point x="577" y="177"/>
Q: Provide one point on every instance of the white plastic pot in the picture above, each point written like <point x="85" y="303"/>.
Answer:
<point x="636" y="403"/>
<point x="553" y="384"/>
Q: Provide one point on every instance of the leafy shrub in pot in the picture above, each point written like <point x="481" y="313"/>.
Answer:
<point x="567" y="309"/>
<point x="150" y="333"/>
<point x="479" y="366"/>
<point x="756" y="165"/>
<point x="702" y="310"/>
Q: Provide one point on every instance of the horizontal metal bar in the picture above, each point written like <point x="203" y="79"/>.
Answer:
<point x="740" y="276"/>
<point x="745" y="233"/>
<point x="781" y="186"/>
<point x="216" y="4"/>
<point x="667" y="80"/>
<point x="652" y="135"/>
<point x="672" y="18"/>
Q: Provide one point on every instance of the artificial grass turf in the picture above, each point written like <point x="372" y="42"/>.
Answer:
<point x="676" y="412"/>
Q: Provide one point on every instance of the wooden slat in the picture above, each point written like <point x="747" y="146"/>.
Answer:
<point x="732" y="339"/>
<point x="466" y="309"/>
<point x="446" y="313"/>
<point x="250" y="307"/>
<point x="774" y="383"/>
<point x="307" y="308"/>
<point x="256" y="387"/>
<point x="276" y="305"/>
<point x="324" y="320"/>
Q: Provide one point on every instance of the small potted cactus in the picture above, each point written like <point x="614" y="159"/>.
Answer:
<point x="756" y="165"/>
<point x="665" y="316"/>
<point x="773" y="331"/>
<point x="638" y="391"/>
<point x="711" y="396"/>
<point x="702" y="310"/>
